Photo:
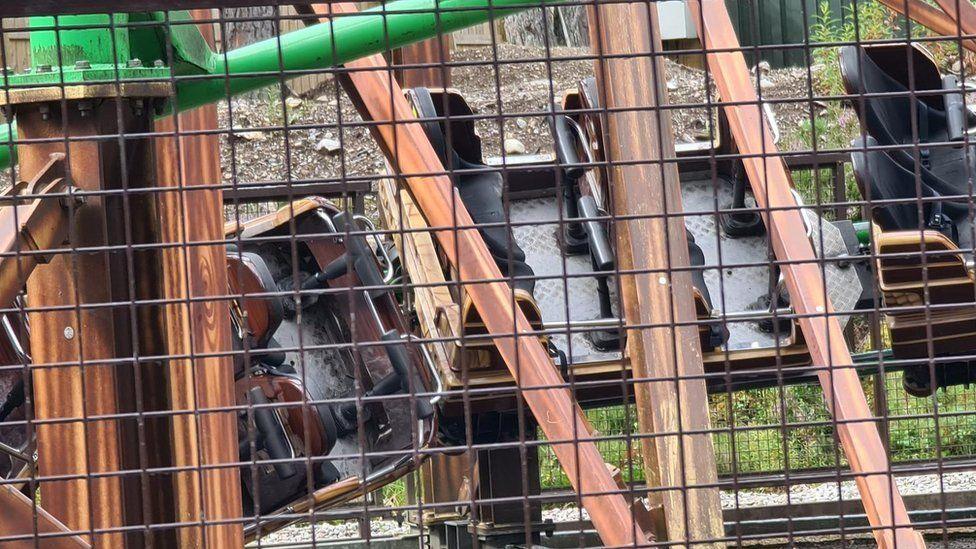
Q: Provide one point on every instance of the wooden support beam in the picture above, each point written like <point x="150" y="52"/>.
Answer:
<point x="381" y="100"/>
<point x="962" y="13"/>
<point x="772" y="188"/>
<point x="930" y="17"/>
<point x="19" y="516"/>
<point x="429" y="52"/>
<point x="632" y="84"/>
<point x="198" y="327"/>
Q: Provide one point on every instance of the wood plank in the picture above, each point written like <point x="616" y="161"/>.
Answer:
<point x="771" y="185"/>
<point x="930" y="17"/>
<point x="380" y="99"/>
<point x="435" y="50"/>
<point x="963" y="15"/>
<point x="642" y="190"/>
<point x="191" y="272"/>
<point x="19" y="516"/>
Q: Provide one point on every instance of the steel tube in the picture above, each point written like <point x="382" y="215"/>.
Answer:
<point x="345" y="39"/>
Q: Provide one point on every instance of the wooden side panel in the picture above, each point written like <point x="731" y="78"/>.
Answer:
<point x="643" y="190"/>
<point x="198" y="327"/>
<point x="380" y="99"/>
<point x="771" y="185"/>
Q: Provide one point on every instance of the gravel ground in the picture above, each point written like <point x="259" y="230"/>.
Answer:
<point x="256" y="150"/>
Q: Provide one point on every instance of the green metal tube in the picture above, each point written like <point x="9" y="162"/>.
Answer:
<point x="345" y="39"/>
<point x="8" y="151"/>
<point x="863" y="230"/>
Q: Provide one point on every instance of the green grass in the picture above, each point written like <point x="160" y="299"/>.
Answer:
<point x="765" y="430"/>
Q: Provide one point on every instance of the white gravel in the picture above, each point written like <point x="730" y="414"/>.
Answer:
<point x="773" y="497"/>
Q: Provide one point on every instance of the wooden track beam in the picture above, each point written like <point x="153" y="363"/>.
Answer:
<point x="930" y="17"/>
<point x="380" y="99"/>
<point x="772" y="186"/>
<point x="642" y="190"/>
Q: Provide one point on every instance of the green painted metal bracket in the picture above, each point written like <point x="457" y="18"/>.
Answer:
<point x="110" y="44"/>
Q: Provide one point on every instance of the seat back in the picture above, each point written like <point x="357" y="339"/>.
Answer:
<point x="891" y="190"/>
<point x="886" y="104"/>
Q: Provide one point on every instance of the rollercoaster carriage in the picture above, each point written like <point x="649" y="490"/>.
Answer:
<point x="914" y="167"/>
<point x="549" y="231"/>
<point x="333" y="395"/>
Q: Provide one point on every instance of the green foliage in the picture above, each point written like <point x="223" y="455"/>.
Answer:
<point x="774" y="429"/>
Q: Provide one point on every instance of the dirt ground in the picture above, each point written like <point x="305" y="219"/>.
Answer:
<point x="326" y="139"/>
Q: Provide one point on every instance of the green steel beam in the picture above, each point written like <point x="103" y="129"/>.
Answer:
<point x="345" y="39"/>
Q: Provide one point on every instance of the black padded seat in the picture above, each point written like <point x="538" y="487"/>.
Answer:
<point x="893" y="191"/>
<point x="889" y="120"/>
<point x="480" y="190"/>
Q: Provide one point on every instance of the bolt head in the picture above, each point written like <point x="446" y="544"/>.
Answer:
<point x="82" y="64"/>
<point x="134" y="63"/>
<point x="69" y="332"/>
<point x="45" y="68"/>
<point x="159" y="63"/>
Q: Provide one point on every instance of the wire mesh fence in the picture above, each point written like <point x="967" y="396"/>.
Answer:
<point x="620" y="274"/>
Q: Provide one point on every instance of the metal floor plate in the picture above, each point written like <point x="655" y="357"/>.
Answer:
<point x="574" y="298"/>
<point x="736" y="279"/>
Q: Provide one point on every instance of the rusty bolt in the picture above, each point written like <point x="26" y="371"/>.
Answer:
<point x="84" y="108"/>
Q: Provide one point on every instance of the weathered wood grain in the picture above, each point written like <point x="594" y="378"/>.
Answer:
<point x="641" y="191"/>
<point x="428" y="52"/>
<point x="79" y="384"/>
<point x="194" y="271"/>
<point x="930" y="16"/>
<point x="17" y="518"/>
<point x="380" y="99"/>
<point x="771" y="185"/>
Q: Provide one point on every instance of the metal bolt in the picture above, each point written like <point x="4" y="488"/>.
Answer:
<point x="138" y="107"/>
<point x="159" y="63"/>
<point x="134" y="63"/>
<point x="84" y="108"/>
<point x="82" y="64"/>
<point x="45" y="68"/>
<point x="45" y="111"/>
<point x="27" y="70"/>
<point x="69" y="332"/>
